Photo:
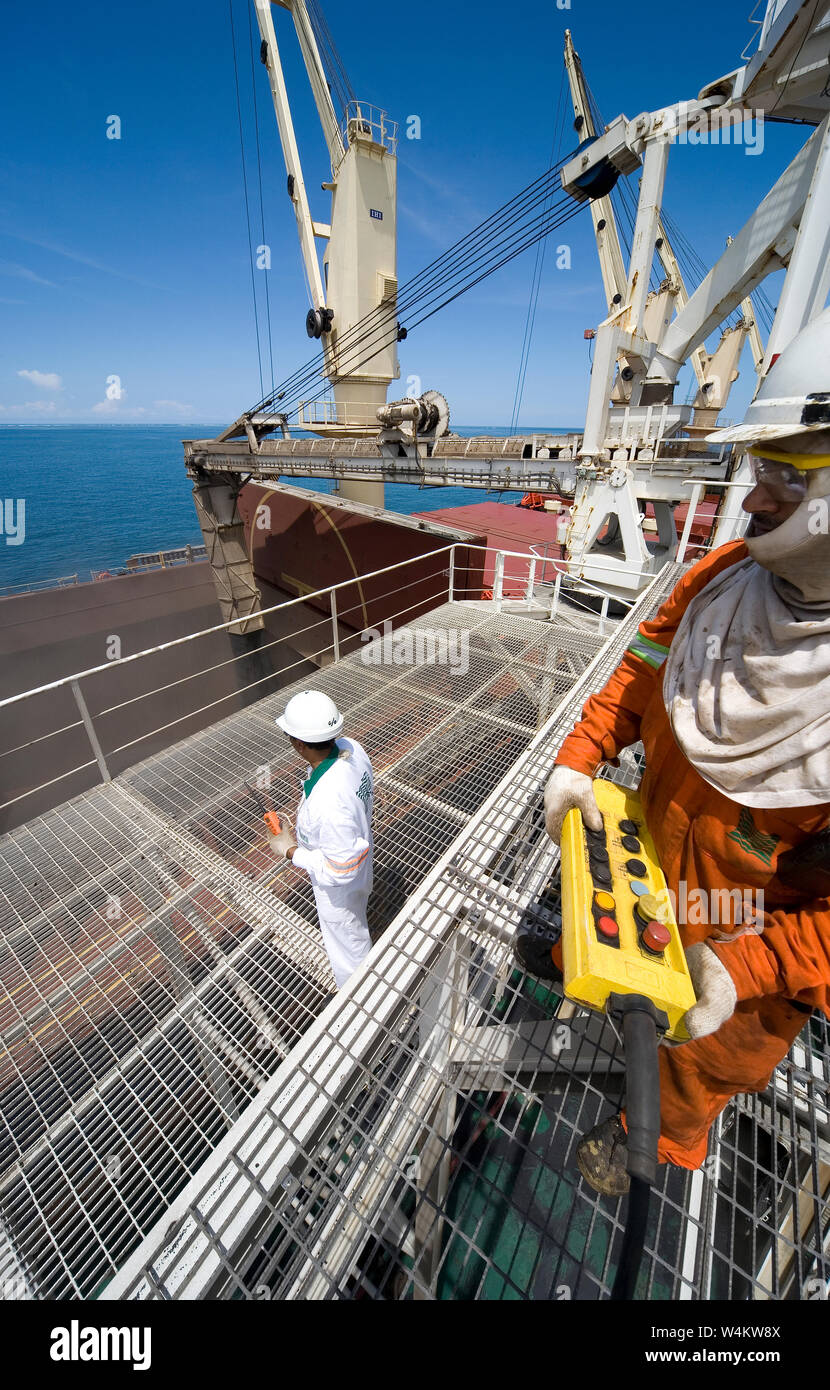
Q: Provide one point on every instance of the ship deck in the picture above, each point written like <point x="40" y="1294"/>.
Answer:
<point x="187" y="1109"/>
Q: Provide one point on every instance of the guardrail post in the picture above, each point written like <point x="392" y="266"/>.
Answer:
<point x="335" y="636"/>
<point x="531" y="581"/>
<point x="697" y="489"/>
<point x="498" y="577"/>
<point x="554" y="603"/>
<point x="603" y="615"/>
<point x="90" y="730"/>
<point x="451" y="589"/>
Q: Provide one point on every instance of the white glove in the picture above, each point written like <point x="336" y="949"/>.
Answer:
<point x="716" y="994"/>
<point x="566" y="789"/>
<point x="282" y="843"/>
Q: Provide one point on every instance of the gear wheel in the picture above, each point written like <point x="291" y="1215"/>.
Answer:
<point x="439" y="402"/>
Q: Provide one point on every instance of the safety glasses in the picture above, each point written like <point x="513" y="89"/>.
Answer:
<point x="780" y="480"/>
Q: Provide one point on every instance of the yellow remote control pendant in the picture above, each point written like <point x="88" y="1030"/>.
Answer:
<point x="619" y="933"/>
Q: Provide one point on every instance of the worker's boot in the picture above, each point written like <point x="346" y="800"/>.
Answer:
<point x="601" y="1157"/>
<point x="540" y="954"/>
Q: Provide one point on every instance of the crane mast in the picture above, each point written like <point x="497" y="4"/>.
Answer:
<point x="353" y="299"/>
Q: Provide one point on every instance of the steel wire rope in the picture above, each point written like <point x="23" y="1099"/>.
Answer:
<point x="427" y="294"/>
<point x="766" y="310"/>
<point x="458" y="253"/>
<point x="245" y="187"/>
<point x="335" y="67"/>
<point x="464" y="288"/>
<point x="530" y="318"/>
<point x="489" y="270"/>
<point x="695" y="269"/>
<point x="445" y="259"/>
<point x="261" y="200"/>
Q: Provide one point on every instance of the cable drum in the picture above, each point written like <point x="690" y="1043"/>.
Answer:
<point x="417" y="415"/>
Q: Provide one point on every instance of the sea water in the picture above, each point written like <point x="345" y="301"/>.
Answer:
<point x="81" y="498"/>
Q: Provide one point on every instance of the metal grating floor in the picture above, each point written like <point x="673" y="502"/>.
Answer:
<point x="418" y="1141"/>
<point x="156" y="968"/>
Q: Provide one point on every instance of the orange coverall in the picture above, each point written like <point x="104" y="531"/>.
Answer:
<point x="712" y="843"/>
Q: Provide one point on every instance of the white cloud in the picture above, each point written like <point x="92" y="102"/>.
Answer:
<point x="93" y="264"/>
<point x="174" y="407"/>
<point x="22" y="272"/>
<point x="114" y="407"/>
<point x="47" y="381"/>
<point x="38" y="407"/>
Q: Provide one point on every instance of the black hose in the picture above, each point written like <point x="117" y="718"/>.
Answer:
<point x="633" y="1241"/>
<point x="642" y="1113"/>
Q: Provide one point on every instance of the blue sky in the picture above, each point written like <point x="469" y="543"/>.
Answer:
<point x="129" y="257"/>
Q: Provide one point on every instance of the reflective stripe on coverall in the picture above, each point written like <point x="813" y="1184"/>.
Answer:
<point x="712" y="843"/>
<point x="334" y="846"/>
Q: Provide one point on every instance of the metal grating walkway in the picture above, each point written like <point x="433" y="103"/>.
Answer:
<point x="418" y="1141"/>
<point x="156" y="968"/>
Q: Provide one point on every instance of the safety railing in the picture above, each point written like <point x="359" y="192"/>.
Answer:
<point x="100" y="728"/>
<point x="136" y="564"/>
<point x="729" y="524"/>
<point x="158" y="962"/>
<point x="36" y="586"/>
<point x="164" y="1079"/>
<point x="328" y="413"/>
<point x="363" y="120"/>
<point x="90" y="726"/>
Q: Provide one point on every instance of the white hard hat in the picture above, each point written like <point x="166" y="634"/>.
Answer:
<point x="312" y="717"/>
<point x="794" y="397"/>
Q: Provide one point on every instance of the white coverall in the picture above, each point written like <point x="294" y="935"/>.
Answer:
<point x="334" y="846"/>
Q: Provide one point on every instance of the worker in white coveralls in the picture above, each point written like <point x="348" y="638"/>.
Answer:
<point x="334" y="827"/>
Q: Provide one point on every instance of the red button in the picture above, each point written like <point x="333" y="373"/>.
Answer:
<point x="608" y="926"/>
<point x="656" y="937"/>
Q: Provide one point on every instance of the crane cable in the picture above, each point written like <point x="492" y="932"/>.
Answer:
<point x="261" y="200"/>
<point x="536" y="232"/>
<point x="431" y="275"/>
<point x="465" y="264"/>
<point x="332" y="62"/>
<point x="535" y="284"/>
<point x="245" y="188"/>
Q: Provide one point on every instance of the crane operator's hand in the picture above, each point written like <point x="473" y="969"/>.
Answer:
<point x="716" y="993"/>
<point x="566" y="789"/>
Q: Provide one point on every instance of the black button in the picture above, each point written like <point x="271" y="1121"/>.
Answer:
<point x="595" y="837"/>
<point x="631" y="843"/>
<point x="629" y="827"/>
<point x="635" y="867"/>
<point x="598" y="853"/>
<point x="601" y="875"/>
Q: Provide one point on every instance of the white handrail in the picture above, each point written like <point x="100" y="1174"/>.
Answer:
<point x="221" y="627"/>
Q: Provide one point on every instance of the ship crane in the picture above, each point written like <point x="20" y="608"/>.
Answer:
<point x="625" y="446"/>
<point x="358" y="277"/>
<point x="715" y="372"/>
<point x="639" y="446"/>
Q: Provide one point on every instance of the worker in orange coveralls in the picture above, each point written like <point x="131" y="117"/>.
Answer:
<point x="729" y="689"/>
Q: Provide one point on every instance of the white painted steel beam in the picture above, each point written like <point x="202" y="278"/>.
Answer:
<point x="291" y="154"/>
<point x="764" y="244"/>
